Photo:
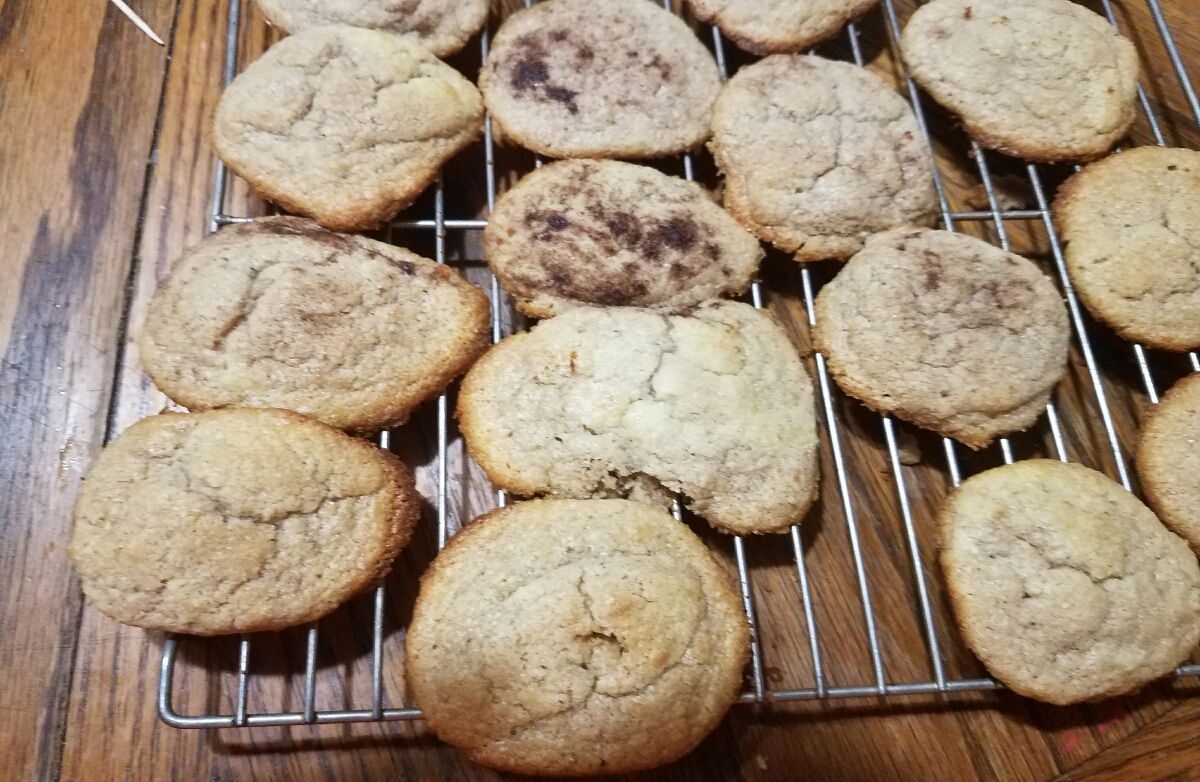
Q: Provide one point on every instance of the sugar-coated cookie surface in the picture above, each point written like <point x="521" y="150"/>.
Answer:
<point x="442" y="26"/>
<point x="818" y="155"/>
<point x="1132" y="227"/>
<point x="606" y="232"/>
<point x="237" y="521"/>
<point x="575" y="637"/>
<point x="714" y="405"/>
<point x="282" y="313"/>
<point x="1066" y="586"/>
<point x="774" y="26"/>
<point x="621" y="78"/>
<point x="1040" y="79"/>
<point x="1168" y="459"/>
<point x="945" y="331"/>
<point x="345" y="125"/>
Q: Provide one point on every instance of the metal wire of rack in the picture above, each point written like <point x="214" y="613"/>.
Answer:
<point x="879" y="683"/>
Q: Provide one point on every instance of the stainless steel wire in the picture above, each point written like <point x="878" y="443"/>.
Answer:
<point x="877" y="680"/>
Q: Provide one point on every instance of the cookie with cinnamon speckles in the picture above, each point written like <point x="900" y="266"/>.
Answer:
<point x="818" y="155"/>
<point x="442" y="26"/>
<point x="1044" y="80"/>
<point x="945" y="331"/>
<point x="620" y="78"/>
<point x="1132" y="227"/>
<point x="1066" y="586"/>
<point x="235" y="521"/>
<point x="345" y="125"/>
<point x="279" y="312"/>
<point x="604" y="232"/>
<point x="575" y="637"/>
<point x="777" y="26"/>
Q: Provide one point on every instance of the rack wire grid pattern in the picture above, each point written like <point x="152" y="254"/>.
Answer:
<point x="758" y="692"/>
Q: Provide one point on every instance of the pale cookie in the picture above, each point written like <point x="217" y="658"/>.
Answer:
<point x="235" y="521"/>
<point x="575" y="637"/>
<point x="818" y="155"/>
<point x="945" y="331"/>
<point x="1040" y="79"/>
<point x="620" y="78"/>
<point x="773" y="26"/>
<point x="1168" y="459"/>
<point x="281" y="313"/>
<point x="604" y="232"/>
<point x="714" y="405"/>
<point x="1066" y="586"/>
<point x="345" y="125"/>
<point x="1132" y="227"/>
<point x="441" y="26"/>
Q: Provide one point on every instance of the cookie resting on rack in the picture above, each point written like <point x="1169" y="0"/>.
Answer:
<point x="279" y="312"/>
<point x="604" y="232"/>
<point x="235" y="521"/>
<point x="818" y="155"/>
<point x="777" y="26"/>
<point x="714" y="405"/>
<point x="1066" y="586"/>
<point x="945" y="331"/>
<point x="620" y="78"/>
<point x="441" y="26"/>
<point x="1168" y="459"/>
<point x="1132" y="227"/>
<point x="575" y="637"/>
<point x="1045" y="80"/>
<point x="345" y="125"/>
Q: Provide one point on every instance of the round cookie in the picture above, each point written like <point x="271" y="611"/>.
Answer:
<point x="575" y="637"/>
<point x="945" y="331"/>
<point x="622" y="78"/>
<point x="1044" y="80"/>
<point x="818" y="155"/>
<point x="1132" y="227"/>
<point x="345" y="125"/>
<point x="441" y="26"/>
<point x="1064" y="585"/>
<point x="605" y="232"/>
<point x="714" y="405"/>
<point x="1168" y="459"/>
<point x="235" y="521"/>
<point x="281" y="313"/>
<point x="775" y="26"/>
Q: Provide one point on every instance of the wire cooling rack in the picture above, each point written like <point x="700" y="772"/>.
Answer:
<point x="998" y="217"/>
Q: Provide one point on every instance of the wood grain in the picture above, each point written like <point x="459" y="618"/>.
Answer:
<point x="90" y="228"/>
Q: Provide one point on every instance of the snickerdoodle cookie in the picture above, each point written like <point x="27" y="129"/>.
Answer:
<point x="1168" y="459"/>
<point x="441" y="26"/>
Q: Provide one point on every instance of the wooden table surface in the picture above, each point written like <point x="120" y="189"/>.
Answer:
<point x="105" y="174"/>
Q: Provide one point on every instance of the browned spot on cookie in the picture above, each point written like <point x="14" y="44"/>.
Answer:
<point x="933" y="278"/>
<point x="678" y="233"/>
<point x="563" y="96"/>
<point x="967" y="12"/>
<point x="572" y="361"/>
<point x="712" y="251"/>
<point x="528" y="74"/>
<point x="662" y="66"/>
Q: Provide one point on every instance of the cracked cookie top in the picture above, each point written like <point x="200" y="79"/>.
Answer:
<point x="575" y="637"/>
<point x="237" y="521"/>
<point x="281" y="313"/>
<point x="774" y="26"/>
<point x="1066" y="586"/>
<point x="345" y="125"/>
<point x="604" y="232"/>
<point x="945" y="331"/>
<point x="1132" y="227"/>
<point x="818" y="155"/>
<point x="1168" y="459"/>
<point x="713" y="404"/>
<point x="442" y="26"/>
<point x="621" y="78"/>
<point x="1044" y="80"/>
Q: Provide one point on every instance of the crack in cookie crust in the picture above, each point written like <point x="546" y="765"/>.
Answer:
<point x="1065" y="586"/>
